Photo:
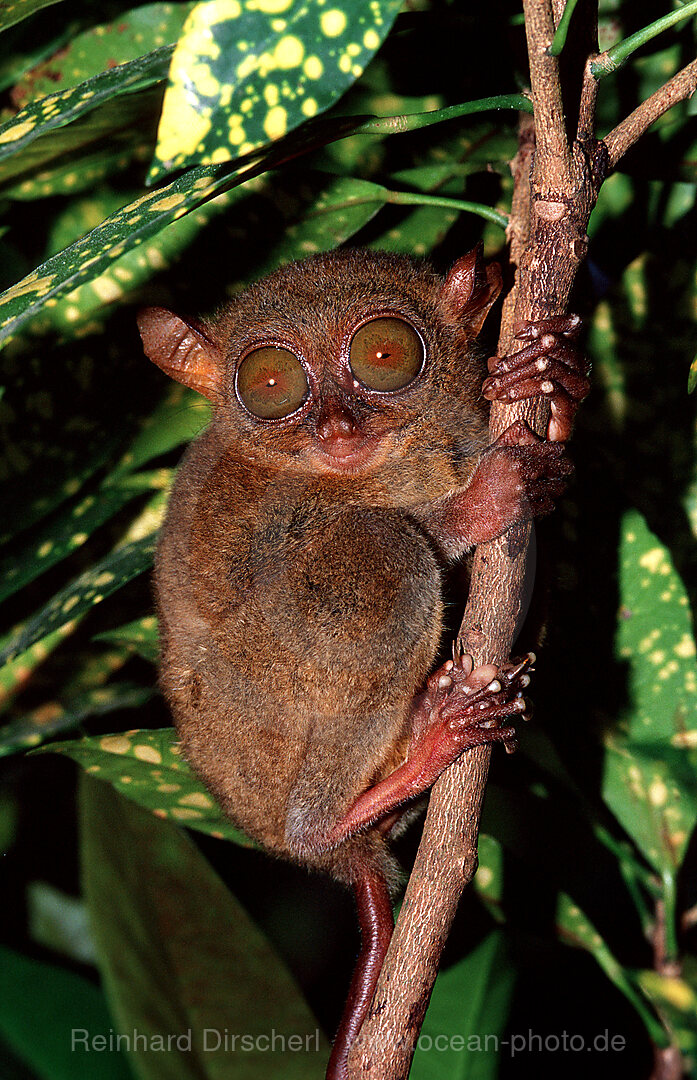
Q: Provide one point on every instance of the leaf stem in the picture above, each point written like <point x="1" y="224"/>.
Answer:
<point x="559" y="40"/>
<point x="618" y="55"/>
<point x="409" y="198"/>
<point x="388" y="125"/>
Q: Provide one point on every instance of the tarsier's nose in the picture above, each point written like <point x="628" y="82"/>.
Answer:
<point x="335" y="422"/>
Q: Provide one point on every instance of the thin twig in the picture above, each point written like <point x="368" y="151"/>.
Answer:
<point x="552" y="144"/>
<point x="587" y="106"/>
<point x="621" y="138"/>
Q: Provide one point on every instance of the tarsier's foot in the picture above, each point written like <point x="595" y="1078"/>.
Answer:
<point x="469" y="703"/>
<point x="550" y="365"/>
<point x="462" y="706"/>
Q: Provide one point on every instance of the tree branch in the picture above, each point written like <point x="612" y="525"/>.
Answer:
<point x="681" y="86"/>
<point x="555" y="191"/>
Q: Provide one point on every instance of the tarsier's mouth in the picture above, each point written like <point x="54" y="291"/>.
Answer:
<point x="347" y="455"/>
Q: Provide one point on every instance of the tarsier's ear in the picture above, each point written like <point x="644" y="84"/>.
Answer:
<point x="471" y="288"/>
<point x="185" y="354"/>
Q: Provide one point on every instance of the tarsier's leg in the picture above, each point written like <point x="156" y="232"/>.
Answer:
<point x="550" y="365"/>
<point x="462" y="706"/>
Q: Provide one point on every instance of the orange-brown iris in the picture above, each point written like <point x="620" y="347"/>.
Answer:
<point x="271" y="383"/>
<point x="386" y="354"/>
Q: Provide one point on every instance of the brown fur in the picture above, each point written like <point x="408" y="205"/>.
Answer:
<point x="301" y="609"/>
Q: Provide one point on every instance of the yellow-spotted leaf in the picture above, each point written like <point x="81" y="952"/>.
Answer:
<point x="64" y="533"/>
<point x="15" y="674"/>
<point x="123" y="230"/>
<point x="140" y="636"/>
<point x="675" y="999"/>
<point x="118" y="282"/>
<point x="91" y="587"/>
<point x="576" y="930"/>
<point x="61" y="108"/>
<point x="148" y="767"/>
<point x="115" y="132"/>
<point x="245" y="72"/>
<point x="15" y="10"/>
<point x="35" y="726"/>
<point x="650" y="760"/>
<point x="103" y="47"/>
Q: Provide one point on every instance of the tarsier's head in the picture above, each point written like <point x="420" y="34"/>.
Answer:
<point x="331" y="363"/>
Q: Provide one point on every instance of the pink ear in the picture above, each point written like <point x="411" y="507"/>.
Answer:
<point x="182" y="352"/>
<point x="471" y="288"/>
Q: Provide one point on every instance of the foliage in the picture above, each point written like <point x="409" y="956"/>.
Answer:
<point x="119" y="188"/>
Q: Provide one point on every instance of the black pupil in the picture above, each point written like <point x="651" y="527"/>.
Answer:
<point x="271" y="382"/>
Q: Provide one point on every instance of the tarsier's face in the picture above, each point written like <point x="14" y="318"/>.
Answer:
<point x="338" y="364"/>
<point x="340" y="409"/>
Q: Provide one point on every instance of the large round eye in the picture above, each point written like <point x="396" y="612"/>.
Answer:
<point x="386" y="354"/>
<point x="271" y="383"/>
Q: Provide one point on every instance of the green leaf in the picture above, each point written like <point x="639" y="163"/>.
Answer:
<point x="141" y="636"/>
<point x="649" y="774"/>
<point x="56" y="110"/>
<point x="44" y="1013"/>
<point x="147" y="767"/>
<point x="104" y="47"/>
<point x="181" y="957"/>
<point x="675" y="1000"/>
<point x="91" y="587"/>
<point x="181" y="415"/>
<point x="13" y="11"/>
<point x="244" y="73"/>
<point x="34" y="727"/>
<point x="60" y="536"/>
<point x="470" y="1002"/>
<point x="323" y="211"/>
<point x="692" y="376"/>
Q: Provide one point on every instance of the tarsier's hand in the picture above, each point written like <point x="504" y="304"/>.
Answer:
<point x="523" y="473"/>
<point x="550" y="365"/>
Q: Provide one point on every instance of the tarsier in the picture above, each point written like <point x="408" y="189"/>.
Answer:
<point x="301" y="570"/>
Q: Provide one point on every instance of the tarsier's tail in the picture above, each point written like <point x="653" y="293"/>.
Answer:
<point x="376" y="923"/>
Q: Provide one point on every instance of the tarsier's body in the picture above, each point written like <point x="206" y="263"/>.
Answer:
<point x="300" y="573"/>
